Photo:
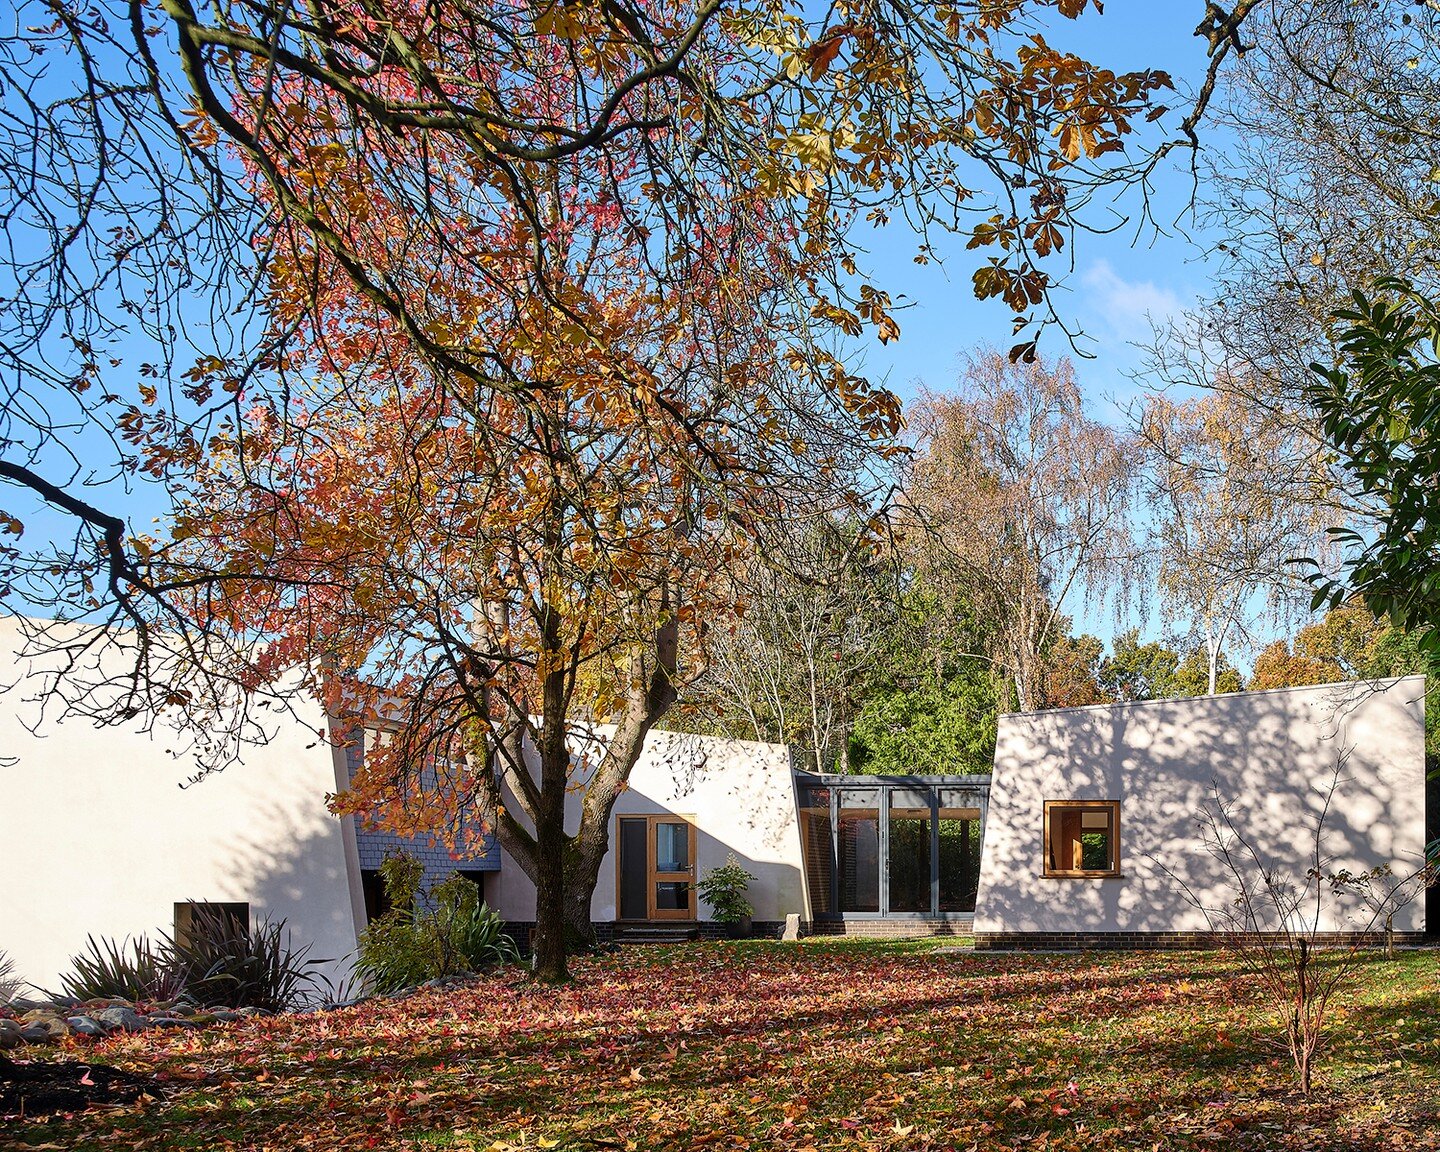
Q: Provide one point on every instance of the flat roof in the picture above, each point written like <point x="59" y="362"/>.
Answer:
<point x="842" y="779"/>
<point x="1380" y="683"/>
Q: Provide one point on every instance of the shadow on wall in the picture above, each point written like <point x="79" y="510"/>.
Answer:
<point x="296" y="870"/>
<point x="1270" y="757"/>
<point x="738" y="795"/>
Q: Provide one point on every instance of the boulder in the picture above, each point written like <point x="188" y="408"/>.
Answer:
<point x="121" y="1019"/>
<point x="792" y="927"/>
<point x="91" y="1007"/>
<point x="84" y="1026"/>
<point x="49" y="1023"/>
<point x="10" y="1034"/>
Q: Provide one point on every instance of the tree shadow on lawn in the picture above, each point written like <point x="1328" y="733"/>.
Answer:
<point x="550" y="1071"/>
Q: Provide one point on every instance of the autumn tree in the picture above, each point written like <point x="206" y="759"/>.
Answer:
<point x="1339" y="647"/>
<point x="503" y="572"/>
<point x="449" y="191"/>
<point x="1325" y="180"/>
<point x="1016" y="503"/>
<point x="544" y="303"/>
<point x="1324" y="183"/>
<point x="1234" y="499"/>
<point x="1072" y="673"/>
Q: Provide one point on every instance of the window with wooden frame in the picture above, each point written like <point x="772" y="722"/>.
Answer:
<point x="191" y="915"/>
<point x="1082" y="838"/>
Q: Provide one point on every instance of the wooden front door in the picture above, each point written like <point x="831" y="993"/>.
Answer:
<point x="656" y="868"/>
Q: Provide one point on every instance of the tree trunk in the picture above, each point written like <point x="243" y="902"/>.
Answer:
<point x="551" y="842"/>
<point x="565" y="868"/>
<point x="579" y="928"/>
<point x="548" y="942"/>
<point x="582" y="869"/>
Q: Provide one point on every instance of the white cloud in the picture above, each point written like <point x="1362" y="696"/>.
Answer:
<point x="1129" y="308"/>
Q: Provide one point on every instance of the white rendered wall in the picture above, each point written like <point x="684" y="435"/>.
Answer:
<point x="739" y="795"/>
<point x="97" y="836"/>
<point x="1272" y="756"/>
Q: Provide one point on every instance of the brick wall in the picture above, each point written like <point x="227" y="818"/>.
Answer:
<point x="891" y="929"/>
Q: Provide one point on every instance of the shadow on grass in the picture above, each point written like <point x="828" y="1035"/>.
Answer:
<point x="746" y="1030"/>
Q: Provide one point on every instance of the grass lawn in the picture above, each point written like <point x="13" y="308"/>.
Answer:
<point x="822" y="1045"/>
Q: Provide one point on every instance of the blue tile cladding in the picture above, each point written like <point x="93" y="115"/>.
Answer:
<point x="375" y="845"/>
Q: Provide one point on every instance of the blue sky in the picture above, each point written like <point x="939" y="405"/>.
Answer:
<point x="1119" y="277"/>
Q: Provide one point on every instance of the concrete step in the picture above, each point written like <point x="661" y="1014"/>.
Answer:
<point x="656" y="933"/>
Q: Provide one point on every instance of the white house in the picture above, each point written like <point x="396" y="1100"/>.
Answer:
<point x="98" y="835"/>
<point x="692" y="803"/>
<point x="1094" y="836"/>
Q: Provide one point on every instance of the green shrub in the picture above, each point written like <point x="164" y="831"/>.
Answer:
<point x="724" y="888"/>
<point x="426" y="935"/>
<point x="126" y="970"/>
<point x="221" y="960"/>
<point x="472" y="931"/>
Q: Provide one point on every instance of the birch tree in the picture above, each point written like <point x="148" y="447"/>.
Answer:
<point x="1234" y="498"/>
<point x="1017" y="501"/>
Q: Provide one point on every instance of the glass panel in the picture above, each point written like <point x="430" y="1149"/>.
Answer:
<point x="960" y="798"/>
<point x="859" y="860"/>
<point x="672" y="895"/>
<point x="632" y="870"/>
<point x="819" y="852"/>
<point x="672" y="847"/>
<point x="1095" y="851"/>
<point x="959" y="858"/>
<point x="909" y="851"/>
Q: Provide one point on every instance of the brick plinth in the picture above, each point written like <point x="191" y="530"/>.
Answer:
<point x="1092" y="941"/>
<point x="891" y="929"/>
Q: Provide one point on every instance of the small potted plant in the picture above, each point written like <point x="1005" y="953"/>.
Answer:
<point x="724" y="891"/>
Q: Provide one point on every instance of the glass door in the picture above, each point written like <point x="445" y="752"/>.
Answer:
<point x="634" y="868"/>
<point x="909" y="852"/>
<point x="858" y="853"/>
<point x="672" y="869"/>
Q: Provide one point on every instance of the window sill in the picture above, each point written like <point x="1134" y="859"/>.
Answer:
<point x="1082" y="875"/>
